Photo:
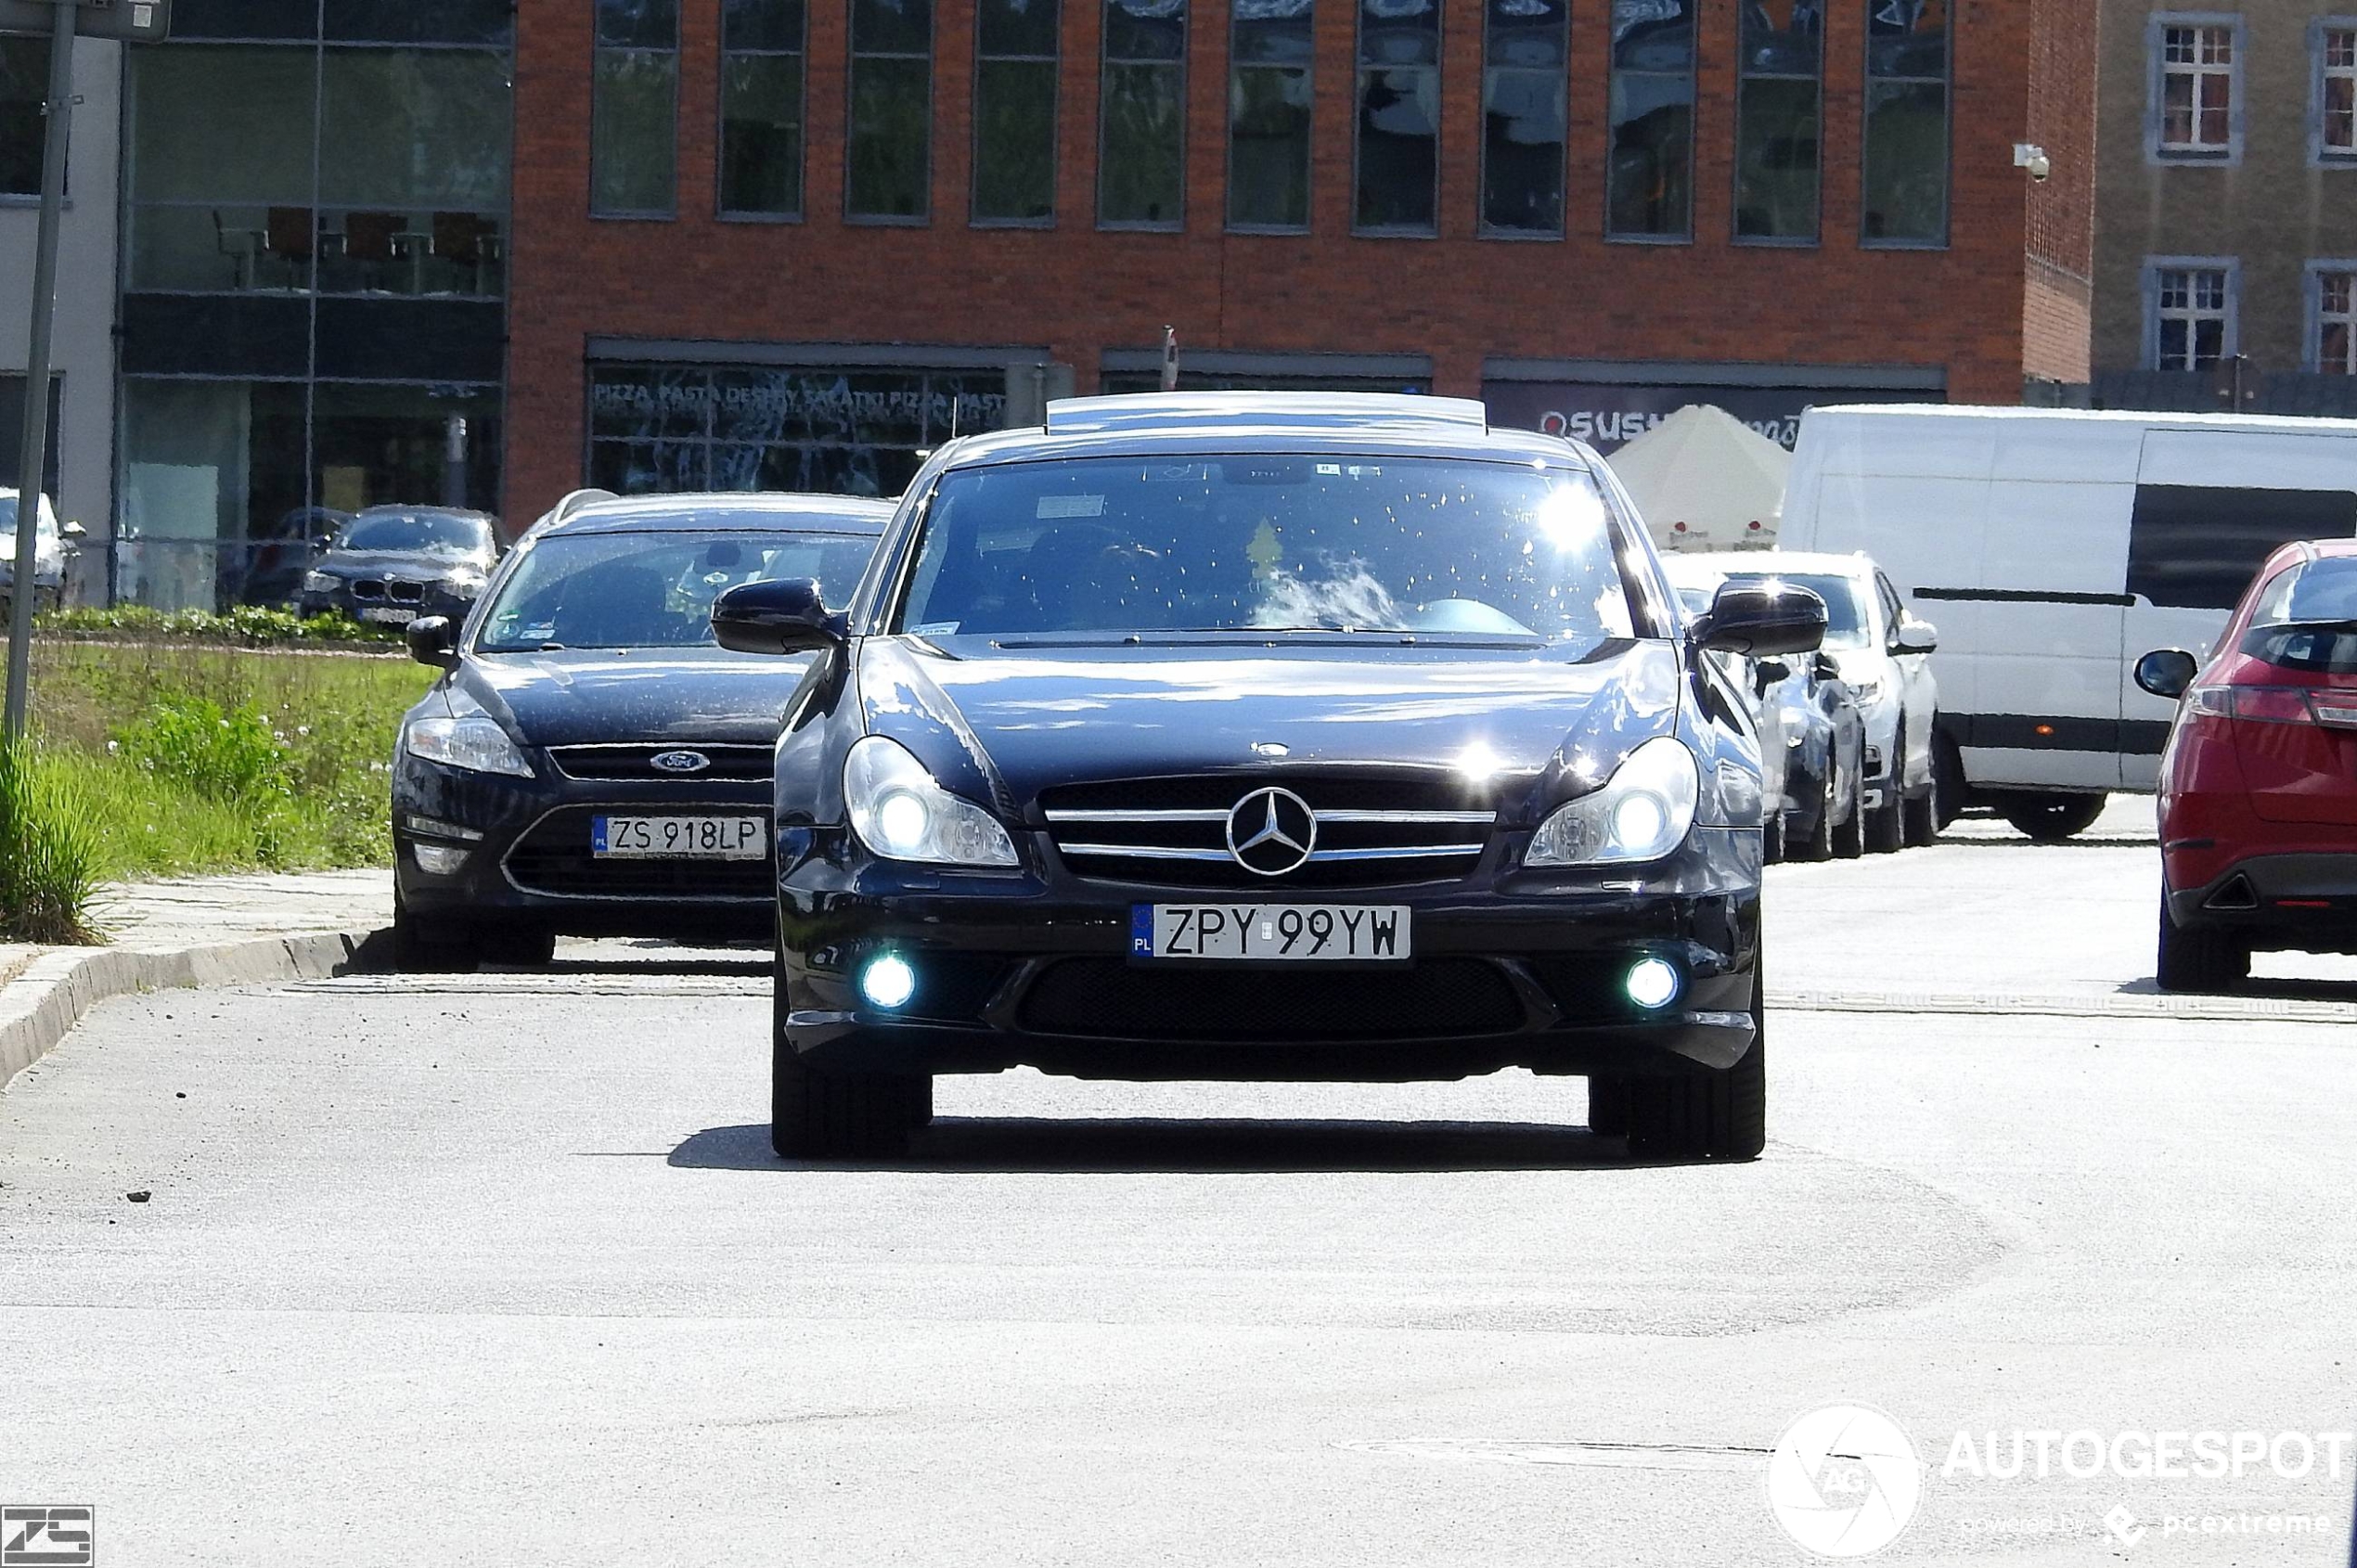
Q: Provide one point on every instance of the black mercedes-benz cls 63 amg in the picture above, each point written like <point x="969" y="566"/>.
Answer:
<point x="1267" y="737"/>
<point x="590" y="764"/>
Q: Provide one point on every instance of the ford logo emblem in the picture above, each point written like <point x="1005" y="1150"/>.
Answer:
<point x="680" y="762"/>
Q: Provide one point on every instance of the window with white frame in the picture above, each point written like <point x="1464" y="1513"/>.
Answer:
<point x="2193" y="307"/>
<point x="2336" y="323"/>
<point x="2198" y="89"/>
<point x="2336" y="95"/>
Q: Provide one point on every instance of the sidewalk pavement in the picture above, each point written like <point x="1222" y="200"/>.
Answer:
<point x="198" y="930"/>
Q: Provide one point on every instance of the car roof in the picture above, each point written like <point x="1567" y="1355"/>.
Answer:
<point x="1205" y="423"/>
<point x="750" y="511"/>
<point x="402" y="509"/>
<point x="1823" y="563"/>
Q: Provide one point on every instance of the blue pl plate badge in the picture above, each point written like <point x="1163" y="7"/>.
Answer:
<point x="598" y="835"/>
<point x="1141" y="930"/>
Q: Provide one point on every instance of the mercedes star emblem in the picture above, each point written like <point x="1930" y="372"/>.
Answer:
<point x="1271" y="832"/>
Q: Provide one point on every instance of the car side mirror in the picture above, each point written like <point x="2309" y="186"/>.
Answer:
<point x="1771" y="671"/>
<point x="1825" y="667"/>
<point x="75" y="531"/>
<point x="783" y="615"/>
<point x="2166" y="672"/>
<point x="433" y="639"/>
<point x="1916" y="636"/>
<point x="1761" y="620"/>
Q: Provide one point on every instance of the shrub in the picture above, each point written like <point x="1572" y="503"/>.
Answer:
<point x="233" y="757"/>
<point x="49" y="852"/>
<point x="245" y="625"/>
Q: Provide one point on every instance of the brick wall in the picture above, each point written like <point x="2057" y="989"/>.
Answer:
<point x="2065" y="56"/>
<point x="1077" y="291"/>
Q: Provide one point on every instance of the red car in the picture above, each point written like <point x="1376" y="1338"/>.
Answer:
<point x="2258" y="785"/>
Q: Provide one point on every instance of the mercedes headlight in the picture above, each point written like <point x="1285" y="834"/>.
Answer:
<point x="473" y="741"/>
<point x="901" y="813"/>
<point x="1643" y="812"/>
<point x="320" y="583"/>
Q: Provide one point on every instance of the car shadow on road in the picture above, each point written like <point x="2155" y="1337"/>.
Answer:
<point x="1146" y="1145"/>
<point x="2263" y="989"/>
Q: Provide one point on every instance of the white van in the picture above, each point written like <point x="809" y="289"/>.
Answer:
<point x="2055" y="546"/>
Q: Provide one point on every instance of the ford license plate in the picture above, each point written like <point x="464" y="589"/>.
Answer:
<point x="1270" y="933"/>
<point x="676" y="838"/>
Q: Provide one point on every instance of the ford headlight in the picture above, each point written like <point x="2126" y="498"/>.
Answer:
<point x="320" y="583"/>
<point x="473" y="741"/>
<point x="901" y="813"/>
<point x="1643" y="812"/>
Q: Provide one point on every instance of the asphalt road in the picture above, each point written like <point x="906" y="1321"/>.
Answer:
<point x="501" y="1270"/>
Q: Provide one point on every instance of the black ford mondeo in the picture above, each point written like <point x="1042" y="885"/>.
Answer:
<point x="591" y="764"/>
<point x="1266" y="737"/>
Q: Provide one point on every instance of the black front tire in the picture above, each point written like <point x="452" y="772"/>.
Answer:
<point x="1608" y="1107"/>
<point x="446" y="947"/>
<point x="1721" y="1116"/>
<point x="1948" y="786"/>
<point x="2202" y="960"/>
<point x="2049" y="819"/>
<point x="1849" y="839"/>
<point x="820" y="1115"/>
<point x="1919" y="821"/>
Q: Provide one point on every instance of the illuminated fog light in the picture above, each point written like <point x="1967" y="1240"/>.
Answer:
<point x="439" y="860"/>
<point x="1653" y="983"/>
<point x="888" y="982"/>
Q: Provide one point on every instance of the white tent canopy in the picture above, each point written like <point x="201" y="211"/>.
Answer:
<point x="1709" y="472"/>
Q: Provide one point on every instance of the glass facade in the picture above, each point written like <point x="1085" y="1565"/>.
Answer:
<point x="1524" y="115"/>
<point x="1649" y="181"/>
<point x="1398" y="147"/>
<point x="1016" y="48"/>
<point x="1268" y="88"/>
<point x="761" y="44"/>
<point x="1777" y="115"/>
<point x="634" y="162"/>
<point x="890" y="147"/>
<point x="1141" y="115"/>
<point x="1906" y="152"/>
<point x="24" y="82"/>
<point x="316" y="197"/>
<point x="855" y="431"/>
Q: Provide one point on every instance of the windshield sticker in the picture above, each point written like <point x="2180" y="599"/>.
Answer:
<point x="934" y="629"/>
<point x="1051" y="507"/>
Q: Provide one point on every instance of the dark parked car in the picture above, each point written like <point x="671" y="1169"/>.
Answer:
<point x="591" y="764"/>
<point x="1267" y="737"/>
<point x="396" y="564"/>
<point x="274" y="566"/>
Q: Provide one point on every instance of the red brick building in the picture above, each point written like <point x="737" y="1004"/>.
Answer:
<point x="760" y="245"/>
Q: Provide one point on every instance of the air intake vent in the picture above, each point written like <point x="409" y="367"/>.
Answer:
<point x="2233" y="893"/>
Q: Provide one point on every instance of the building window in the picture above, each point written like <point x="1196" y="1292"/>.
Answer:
<point x="2333" y="340"/>
<point x="2198" y="81"/>
<point x="1526" y="48"/>
<point x="1650" y="181"/>
<point x="1906" y="123"/>
<point x="891" y="139"/>
<point x="1268" y="115"/>
<point x="1398" y="116"/>
<point x="2192" y="316"/>
<point x="1776" y="121"/>
<point x="635" y="107"/>
<point x="2336" y="130"/>
<point x="761" y="44"/>
<point x="1142" y="120"/>
<point x="24" y="82"/>
<point x="1015" y="52"/>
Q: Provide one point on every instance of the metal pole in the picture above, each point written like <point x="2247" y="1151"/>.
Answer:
<point x="34" y="450"/>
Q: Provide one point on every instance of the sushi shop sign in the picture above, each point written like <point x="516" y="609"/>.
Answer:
<point x="1608" y="415"/>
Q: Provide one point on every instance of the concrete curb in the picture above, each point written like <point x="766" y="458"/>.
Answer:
<point x="41" y="1005"/>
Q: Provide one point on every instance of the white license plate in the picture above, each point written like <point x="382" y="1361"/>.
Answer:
<point x="676" y="838"/>
<point x="388" y="617"/>
<point x="1270" y="933"/>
